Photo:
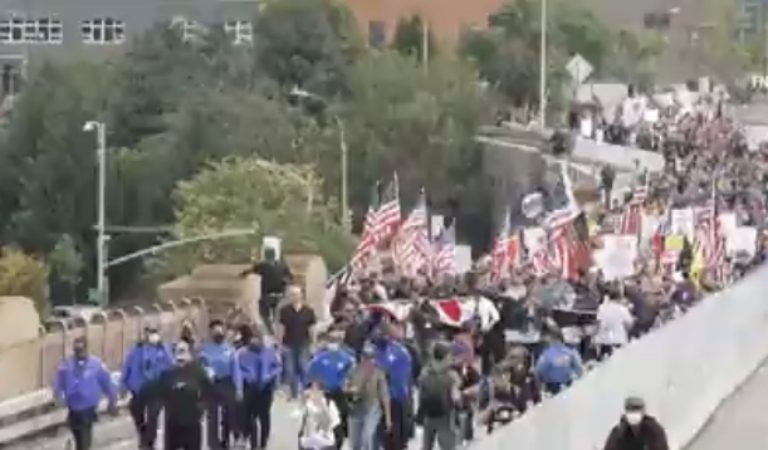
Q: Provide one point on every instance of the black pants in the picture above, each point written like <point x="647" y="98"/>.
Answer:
<point x="258" y="409"/>
<point x="340" y="400"/>
<point x="145" y="408"/>
<point x="397" y="437"/>
<point x="81" y="426"/>
<point x="183" y="436"/>
<point x="268" y="311"/>
<point x="220" y="413"/>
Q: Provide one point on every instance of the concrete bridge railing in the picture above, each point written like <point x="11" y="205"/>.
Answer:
<point x="683" y="370"/>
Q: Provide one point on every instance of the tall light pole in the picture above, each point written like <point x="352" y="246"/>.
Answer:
<point x="345" y="218"/>
<point x="101" y="237"/>
<point x="543" y="66"/>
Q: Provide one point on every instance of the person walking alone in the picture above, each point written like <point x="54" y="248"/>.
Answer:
<point x="637" y="430"/>
<point x="80" y="383"/>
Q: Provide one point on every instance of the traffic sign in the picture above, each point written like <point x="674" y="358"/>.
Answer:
<point x="579" y="68"/>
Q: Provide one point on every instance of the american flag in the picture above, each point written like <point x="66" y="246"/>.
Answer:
<point x="444" y="252"/>
<point x="500" y="260"/>
<point x="710" y="238"/>
<point x="572" y="251"/>
<point x="411" y="248"/>
<point x="366" y="247"/>
<point x="631" y="219"/>
<point x="388" y="216"/>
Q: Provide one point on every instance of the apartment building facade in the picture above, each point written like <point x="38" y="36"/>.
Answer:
<point x="52" y="28"/>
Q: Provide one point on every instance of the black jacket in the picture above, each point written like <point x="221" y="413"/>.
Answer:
<point x="650" y="435"/>
<point x="183" y="391"/>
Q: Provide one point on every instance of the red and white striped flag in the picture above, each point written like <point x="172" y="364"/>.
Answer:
<point x="444" y="253"/>
<point x="571" y="252"/>
<point x="388" y="216"/>
<point x="366" y="247"/>
<point x="411" y="249"/>
<point x="632" y="217"/>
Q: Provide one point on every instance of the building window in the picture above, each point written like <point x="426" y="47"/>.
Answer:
<point x="190" y="30"/>
<point x="377" y="34"/>
<point x="17" y="30"/>
<point x="103" y="31"/>
<point x="241" y="31"/>
<point x="657" y="21"/>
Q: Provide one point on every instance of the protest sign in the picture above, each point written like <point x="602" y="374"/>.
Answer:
<point x="683" y="222"/>
<point x="617" y="258"/>
<point x="742" y="240"/>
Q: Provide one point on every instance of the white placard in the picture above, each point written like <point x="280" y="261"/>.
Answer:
<point x="728" y="223"/>
<point x="617" y="259"/>
<point x="651" y="115"/>
<point x="648" y="227"/>
<point x="683" y="222"/>
<point x="463" y="259"/>
<point x="437" y="224"/>
<point x="534" y="238"/>
<point x="742" y="240"/>
<point x="274" y="243"/>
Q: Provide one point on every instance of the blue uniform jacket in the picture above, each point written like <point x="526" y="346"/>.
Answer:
<point x="330" y="368"/>
<point x="145" y="363"/>
<point x="221" y="360"/>
<point x="395" y="359"/>
<point x="261" y="367"/>
<point x="81" y="383"/>
<point x="558" y="364"/>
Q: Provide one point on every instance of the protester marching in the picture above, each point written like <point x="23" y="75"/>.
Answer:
<point x="418" y="346"/>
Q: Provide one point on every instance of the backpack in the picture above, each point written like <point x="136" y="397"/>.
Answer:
<point x="435" y="393"/>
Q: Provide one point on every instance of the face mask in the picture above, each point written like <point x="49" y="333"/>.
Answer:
<point x="256" y="345"/>
<point x="183" y="357"/>
<point x="154" y="338"/>
<point x="633" y="418"/>
<point x="333" y="346"/>
<point x="218" y="336"/>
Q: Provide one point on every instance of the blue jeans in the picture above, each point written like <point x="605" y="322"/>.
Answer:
<point x="295" y="360"/>
<point x="363" y="423"/>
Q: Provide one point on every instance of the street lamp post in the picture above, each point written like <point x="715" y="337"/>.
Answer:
<point x="345" y="218"/>
<point x="543" y="66"/>
<point x="101" y="237"/>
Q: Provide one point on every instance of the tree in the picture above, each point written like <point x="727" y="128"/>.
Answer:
<point x="251" y="193"/>
<point x="507" y="54"/>
<point x="66" y="264"/>
<point x="421" y="124"/>
<point x="307" y="43"/>
<point x="409" y="38"/>
<point x="24" y="275"/>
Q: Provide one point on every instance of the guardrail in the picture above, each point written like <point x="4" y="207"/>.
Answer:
<point x="684" y="371"/>
<point x="28" y="368"/>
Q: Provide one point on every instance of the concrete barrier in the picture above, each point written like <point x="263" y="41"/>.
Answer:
<point x="683" y="370"/>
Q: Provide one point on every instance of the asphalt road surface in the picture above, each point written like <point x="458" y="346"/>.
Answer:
<point x="741" y="422"/>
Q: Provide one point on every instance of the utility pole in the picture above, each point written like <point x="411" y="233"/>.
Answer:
<point x="101" y="237"/>
<point x="425" y="43"/>
<point x="763" y="49"/>
<point x="543" y="67"/>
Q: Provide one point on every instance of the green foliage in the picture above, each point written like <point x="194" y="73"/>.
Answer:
<point x="255" y="194"/>
<point x="409" y="38"/>
<point x="24" y="275"/>
<point x="65" y="260"/>
<point x="308" y="43"/>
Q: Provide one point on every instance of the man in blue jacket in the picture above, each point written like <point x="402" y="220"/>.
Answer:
<point x="559" y="365"/>
<point x="260" y="367"/>
<point x="219" y="358"/>
<point x="80" y="383"/>
<point x="143" y="366"/>
<point x="330" y="366"/>
<point x="395" y="359"/>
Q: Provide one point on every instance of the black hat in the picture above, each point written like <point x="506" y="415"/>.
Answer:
<point x="634" y="404"/>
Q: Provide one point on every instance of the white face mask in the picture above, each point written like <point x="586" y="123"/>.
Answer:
<point x="333" y="346"/>
<point x="634" y="418"/>
<point x="153" y="338"/>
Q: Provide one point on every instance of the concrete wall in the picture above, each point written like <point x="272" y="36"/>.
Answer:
<point x="30" y="364"/>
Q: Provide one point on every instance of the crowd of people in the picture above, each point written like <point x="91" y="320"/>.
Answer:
<point x="389" y="363"/>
